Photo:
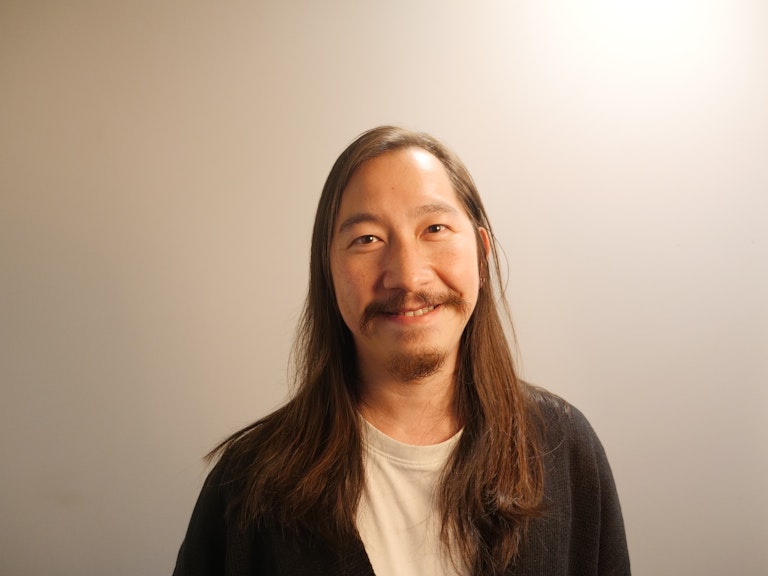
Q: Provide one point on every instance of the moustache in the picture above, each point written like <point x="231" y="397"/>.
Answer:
<point x="395" y="303"/>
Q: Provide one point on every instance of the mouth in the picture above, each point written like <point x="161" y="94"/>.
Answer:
<point x="419" y="312"/>
<point x="404" y="308"/>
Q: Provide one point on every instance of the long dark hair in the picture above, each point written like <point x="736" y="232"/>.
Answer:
<point x="302" y="465"/>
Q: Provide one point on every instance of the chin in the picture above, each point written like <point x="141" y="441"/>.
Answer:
<point x="416" y="365"/>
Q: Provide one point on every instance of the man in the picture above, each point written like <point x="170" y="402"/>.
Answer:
<point x="410" y="446"/>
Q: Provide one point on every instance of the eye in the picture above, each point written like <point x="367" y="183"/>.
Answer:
<point x="363" y="240"/>
<point x="435" y="228"/>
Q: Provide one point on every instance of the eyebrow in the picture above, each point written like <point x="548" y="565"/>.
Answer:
<point x="367" y="217"/>
<point x="359" y="218"/>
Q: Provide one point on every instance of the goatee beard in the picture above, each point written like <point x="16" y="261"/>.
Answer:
<point x="408" y="367"/>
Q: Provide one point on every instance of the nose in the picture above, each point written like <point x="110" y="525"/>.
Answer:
<point x="406" y="267"/>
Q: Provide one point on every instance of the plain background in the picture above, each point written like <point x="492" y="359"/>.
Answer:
<point x="160" y="162"/>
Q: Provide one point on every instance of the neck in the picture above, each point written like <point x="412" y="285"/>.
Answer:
<point x="419" y="412"/>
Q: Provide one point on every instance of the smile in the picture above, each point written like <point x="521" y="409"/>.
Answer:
<point x="419" y="312"/>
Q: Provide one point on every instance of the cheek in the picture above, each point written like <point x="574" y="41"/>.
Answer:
<point x="346" y="288"/>
<point x="463" y="268"/>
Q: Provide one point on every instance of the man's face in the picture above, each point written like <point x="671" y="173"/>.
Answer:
<point x="404" y="261"/>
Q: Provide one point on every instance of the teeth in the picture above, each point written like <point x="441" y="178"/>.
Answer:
<point x="419" y="312"/>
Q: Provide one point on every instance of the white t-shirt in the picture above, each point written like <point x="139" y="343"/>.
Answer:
<point x="397" y="518"/>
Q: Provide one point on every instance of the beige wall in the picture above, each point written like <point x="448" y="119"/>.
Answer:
<point x="159" y="166"/>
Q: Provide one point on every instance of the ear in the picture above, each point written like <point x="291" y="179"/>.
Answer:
<point x="486" y="239"/>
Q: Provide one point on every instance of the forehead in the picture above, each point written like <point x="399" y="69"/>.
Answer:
<point x="409" y="179"/>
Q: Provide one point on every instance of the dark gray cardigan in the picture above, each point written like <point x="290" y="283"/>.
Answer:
<point x="581" y="532"/>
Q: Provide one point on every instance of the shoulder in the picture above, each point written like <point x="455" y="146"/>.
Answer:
<point x="581" y="501"/>
<point x="568" y="443"/>
<point x="238" y="454"/>
<point x="558" y="420"/>
<point x="217" y="540"/>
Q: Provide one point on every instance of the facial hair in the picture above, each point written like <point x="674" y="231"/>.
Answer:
<point x="417" y="364"/>
<point x="395" y="303"/>
<point x="408" y="367"/>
